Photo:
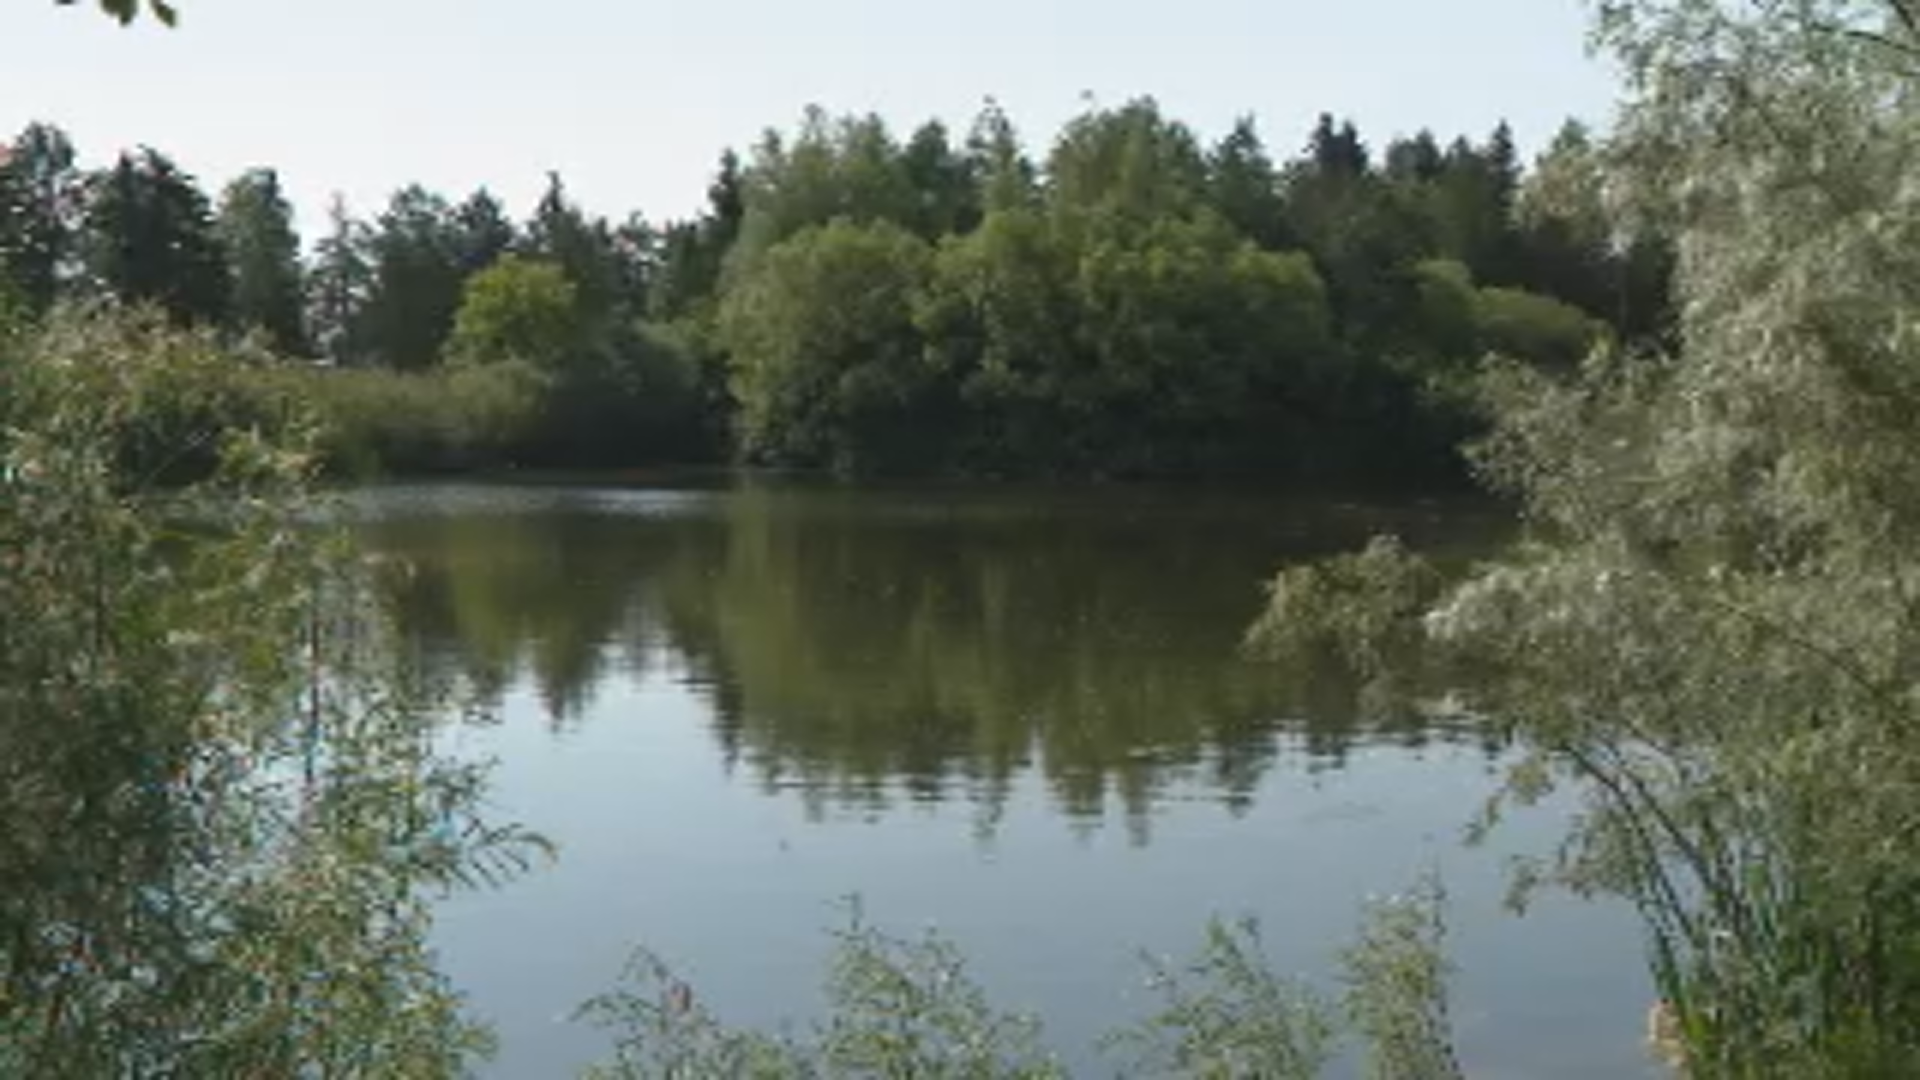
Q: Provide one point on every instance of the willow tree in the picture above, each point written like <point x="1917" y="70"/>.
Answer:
<point x="1716" y="633"/>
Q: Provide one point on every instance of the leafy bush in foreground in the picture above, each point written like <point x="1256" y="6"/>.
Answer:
<point x="908" y="1007"/>
<point x="1715" y="627"/>
<point x="225" y="817"/>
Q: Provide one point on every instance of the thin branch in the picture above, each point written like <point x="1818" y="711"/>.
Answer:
<point x="1883" y="696"/>
<point x="1908" y="13"/>
<point x="1871" y="37"/>
<point x="1654" y="861"/>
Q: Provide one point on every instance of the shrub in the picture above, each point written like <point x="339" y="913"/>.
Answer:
<point x="225" y="817"/>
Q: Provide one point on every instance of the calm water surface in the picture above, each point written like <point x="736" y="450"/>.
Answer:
<point x="1017" y="715"/>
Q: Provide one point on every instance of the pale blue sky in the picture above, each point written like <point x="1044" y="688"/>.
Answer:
<point x="632" y="100"/>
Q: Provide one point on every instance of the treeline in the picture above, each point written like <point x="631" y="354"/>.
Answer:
<point x="1134" y="302"/>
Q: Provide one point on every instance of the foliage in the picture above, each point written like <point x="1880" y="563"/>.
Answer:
<point x="1397" y="988"/>
<point x="1184" y="329"/>
<point x="38" y="194"/>
<point x="999" y="322"/>
<point x="126" y="11"/>
<point x="1189" y="309"/>
<point x="1007" y="176"/>
<point x="633" y="395"/>
<point x="1446" y="323"/>
<point x="1130" y="160"/>
<point x="517" y="309"/>
<point x="1359" y="609"/>
<point x="150" y="237"/>
<point x="827" y="363"/>
<point x="413" y="254"/>
<point x="692" y="253"/>
<point x="1244" y="187"/>
<point x="945" y="181"/>
<point x="1076" y="340"/>
<point x="460" y="418"/>
<point x="226" y="816"/>
<point x="584" y="249"/>
<point x="908" y="1007"/>
<point x="1544" y="332"/>
<point x="1228" y="1014"/>
<point x="263" y="250"/>
<point x="898" y="1008"/>
<point x="482" y="232"/>
<point x="1712" y="635"/>
<point x="339" y="282"/>
<point x="831" y="169"/>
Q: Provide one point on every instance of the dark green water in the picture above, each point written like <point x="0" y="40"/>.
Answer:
<point x="1018" y="715"/>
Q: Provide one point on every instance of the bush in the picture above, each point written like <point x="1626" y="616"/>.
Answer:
<point x="907" y="1007"/>
<point x="225" y="818"/>
<point x="1535" y="329"/>
<point x="451" y="419"/>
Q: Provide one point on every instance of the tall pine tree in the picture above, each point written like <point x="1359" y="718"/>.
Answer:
<point x="339" y="284"/>
<point x="38" y="195"/>
<point x="416" y="280"/>
<point x="150" y="237"/>
<point x="256" y="226"/>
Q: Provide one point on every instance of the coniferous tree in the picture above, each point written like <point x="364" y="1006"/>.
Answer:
<point x="1568" y="244"/>
<point x="1335" y="150"/>
<point x="38" y="195"/>
<point x="416" y="280"/>
<point x="1363" y="238"/>
<point x="256" y="227"/>
<point x="151" y="237"/>
<point x="691" y="254"/>
<point x="1244" y="188"/>
<point x="636" y="253"/>
<point x="946" y="194"/>
<point x="872" y="173"/>
<point x="339" y="286"/>
<point x="726" y="200"/>
<point x="581" y="246"/>
<point x="1472" y="205"/>
<point x="1417" y="160"/>
<point x="1007" y="177"/>
<point x="1423" y="262"/>
<point x="483" y="232"/>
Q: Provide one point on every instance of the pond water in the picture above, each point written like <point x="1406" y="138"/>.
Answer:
<point x="1017" y="715"/>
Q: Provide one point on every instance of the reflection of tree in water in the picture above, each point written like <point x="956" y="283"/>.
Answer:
<point x="496" y="597"/>
<point x="865" y="648"/>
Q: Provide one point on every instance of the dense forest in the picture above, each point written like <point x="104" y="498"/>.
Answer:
<point x="1134" y="302"/>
